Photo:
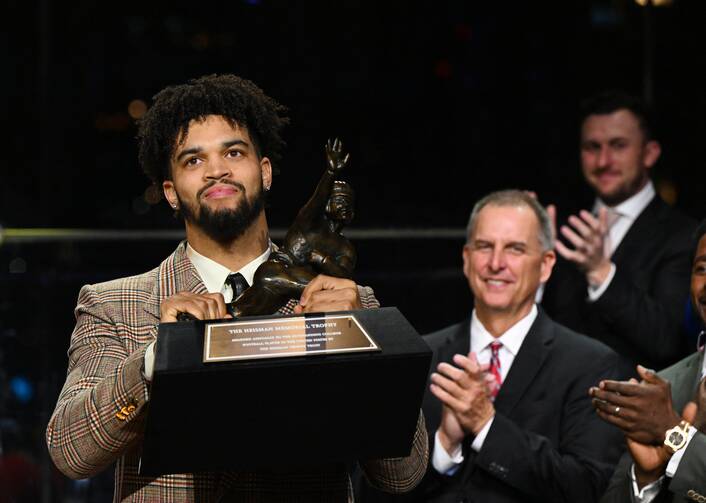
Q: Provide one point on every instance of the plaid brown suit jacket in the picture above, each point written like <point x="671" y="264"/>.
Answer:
<point x="100" y="413"/>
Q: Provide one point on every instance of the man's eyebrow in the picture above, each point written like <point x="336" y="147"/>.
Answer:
<point x="197" y="149"/>
<point x="188" y="151"/>
<point x="230" y="143"/>
<point x="700" y="258"/>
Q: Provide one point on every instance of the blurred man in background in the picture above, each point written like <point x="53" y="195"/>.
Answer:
<point x="623" y="276"/>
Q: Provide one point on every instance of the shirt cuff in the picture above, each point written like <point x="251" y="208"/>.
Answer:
<point x="477" y="443"/>
<point x="595" y="292"/>
<point x="149" y="362"/>
<point x="673" y="464"/>
<point x="443" y="462"/>
<point x="647" y="493"/>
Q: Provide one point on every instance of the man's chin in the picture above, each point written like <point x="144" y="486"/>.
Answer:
<point x="495" y="302"/>
<point x="612" y="196"/>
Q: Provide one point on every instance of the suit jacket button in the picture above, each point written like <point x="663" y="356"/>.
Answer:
<point x="125" y="411"/>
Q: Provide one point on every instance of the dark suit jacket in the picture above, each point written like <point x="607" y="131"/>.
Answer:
<point x="641" y="313"/>
<point x="689" y="482"/>
<point x="546" y="442"/>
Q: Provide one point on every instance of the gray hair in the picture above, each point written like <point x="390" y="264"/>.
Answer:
<point x="516" y="198"/>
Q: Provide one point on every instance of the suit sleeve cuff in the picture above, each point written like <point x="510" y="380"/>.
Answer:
<point x="595" y="292"/>
<point x="477" y="443"/>
<point x="442" y="461"/>
<point x="647" y="493"/>
<point x="148" y="371"/>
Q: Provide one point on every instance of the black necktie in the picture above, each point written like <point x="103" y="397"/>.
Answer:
<point x="238" y="283"/>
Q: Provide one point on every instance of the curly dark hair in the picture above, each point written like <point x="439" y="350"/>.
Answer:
<point x="238" y="100"/>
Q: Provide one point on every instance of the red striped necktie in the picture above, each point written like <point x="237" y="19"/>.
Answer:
<point x="494" y="369"/>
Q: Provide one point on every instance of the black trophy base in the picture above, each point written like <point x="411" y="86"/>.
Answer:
<point x="283" y="413"/>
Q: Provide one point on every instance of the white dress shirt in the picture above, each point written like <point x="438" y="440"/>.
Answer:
<point x="214" y="274"/>
<point x="626" y="214"/>
<point x="511" y="340"/>
<point x="650" y="491"/>
<point x="214" y="277"/>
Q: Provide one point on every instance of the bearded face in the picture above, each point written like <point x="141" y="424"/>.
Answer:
<point x="218" y="179"/>
<point x="224" y="224"/>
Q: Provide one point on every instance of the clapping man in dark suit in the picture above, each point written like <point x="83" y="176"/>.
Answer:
<point x="623" y="272"/>
<point x="507" y="410"/>
<point x="664" y="420"/>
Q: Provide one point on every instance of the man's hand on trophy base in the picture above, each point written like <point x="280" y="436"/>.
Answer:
<point x="209" y="306"/>
<point x="326" y="293"/>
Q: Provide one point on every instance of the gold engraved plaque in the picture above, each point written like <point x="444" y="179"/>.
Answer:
<point x="280" y="337"/>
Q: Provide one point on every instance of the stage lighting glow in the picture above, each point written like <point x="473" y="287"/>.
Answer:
<point x="656" y="3"/>
<point x="22" y="388"/>
<point x="668" y="191"/>
<point x="137" y="109"/>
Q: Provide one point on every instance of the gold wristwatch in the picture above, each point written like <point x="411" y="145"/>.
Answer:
<point x="675" y="438"/>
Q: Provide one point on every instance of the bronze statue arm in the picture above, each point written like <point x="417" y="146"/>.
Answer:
<point x="340" y="267"/>
<point x="336" y="161"/>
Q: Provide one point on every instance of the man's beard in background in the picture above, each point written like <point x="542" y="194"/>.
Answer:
<point x="226" y="225"/>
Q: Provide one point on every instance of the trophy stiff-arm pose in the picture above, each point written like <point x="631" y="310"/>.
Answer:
<point x="313" y="244"/>
<point x="209" y="144"/>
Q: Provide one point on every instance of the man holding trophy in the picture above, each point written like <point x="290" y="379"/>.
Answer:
<point x="210" y="144"/>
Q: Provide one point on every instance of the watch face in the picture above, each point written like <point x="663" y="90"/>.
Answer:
<point x="676" y="437"/>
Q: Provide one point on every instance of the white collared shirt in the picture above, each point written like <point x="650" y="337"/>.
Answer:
<point x="511" y="340"/>
<point x="214" y="277"/>
<point x="214" y="274"/>
<point x="627" y="212"/>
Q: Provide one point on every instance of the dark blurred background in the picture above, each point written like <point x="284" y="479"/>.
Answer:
<point x="438" y="103"/>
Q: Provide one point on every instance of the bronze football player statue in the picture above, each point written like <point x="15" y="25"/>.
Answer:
<point x="313" y="244"/>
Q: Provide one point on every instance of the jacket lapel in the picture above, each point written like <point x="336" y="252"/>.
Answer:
<point x="642" y="229"/>
<point x="686" y="381"/>
<point x="458" y="342"/>
<point x="175" y="274"/>
<point x="529" y="359"/>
